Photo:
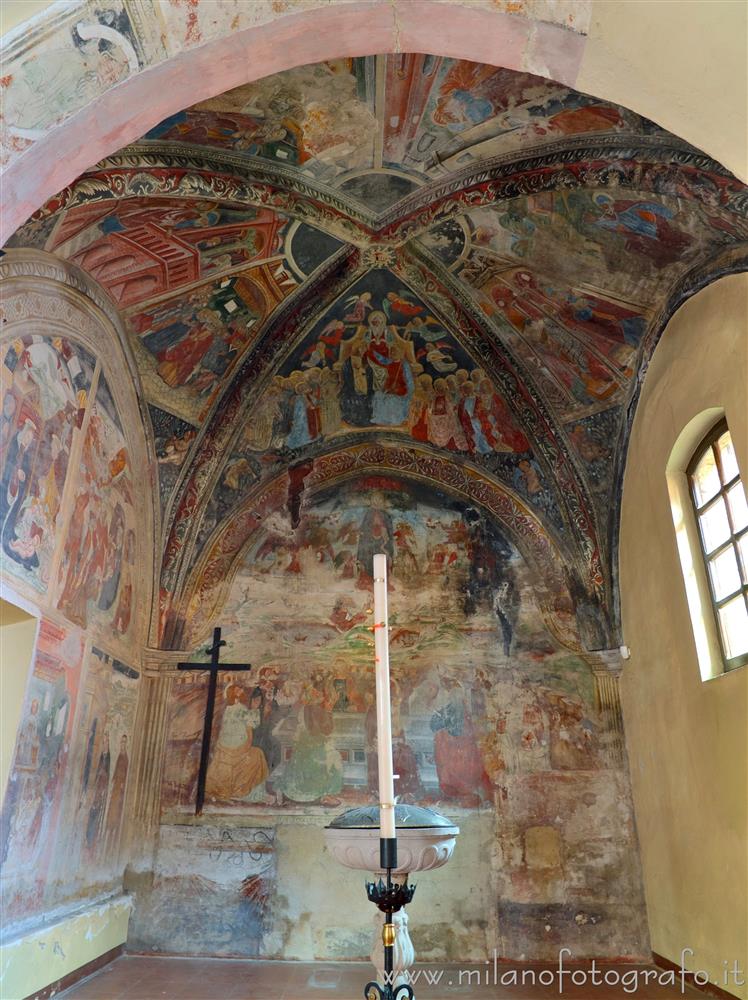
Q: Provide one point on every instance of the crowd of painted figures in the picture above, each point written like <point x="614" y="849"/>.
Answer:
<point x="302" y="729"/>
<point x="48" y="416"/>
<point x="372" y="372"/>
<point x="288" y="741"/>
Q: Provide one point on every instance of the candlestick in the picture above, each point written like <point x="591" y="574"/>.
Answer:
<point x="384" y="719"/>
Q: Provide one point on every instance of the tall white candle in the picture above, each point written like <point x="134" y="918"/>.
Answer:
<point x="384" y="718"/>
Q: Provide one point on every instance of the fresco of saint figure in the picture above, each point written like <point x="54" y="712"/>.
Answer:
<point x="100" y="791"/>
<point x="459" y="763"/>
<point x="98" y="553"/>
<point x="237" y="764"/>
<point x="115" y="808"/>
<point x="314" y="771"/>
<point x="30" y="819"/>
<point x="379" y="367"/>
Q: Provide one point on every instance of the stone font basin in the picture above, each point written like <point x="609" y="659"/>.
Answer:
<point x="425" y="839"/>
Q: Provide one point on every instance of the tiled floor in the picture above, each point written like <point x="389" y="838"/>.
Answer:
<point x="150" y="978"/>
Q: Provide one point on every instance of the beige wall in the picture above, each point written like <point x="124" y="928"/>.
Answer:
<point x="682" y="64"/>
<point x="14" y="12"/>
<point x="687" y="740"/>
<point x="17" y="635"/>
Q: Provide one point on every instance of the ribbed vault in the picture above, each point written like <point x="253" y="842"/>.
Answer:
<point x="433" y="257"/>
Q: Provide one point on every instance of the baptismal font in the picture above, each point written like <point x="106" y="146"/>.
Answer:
<point x="390" y="840"/>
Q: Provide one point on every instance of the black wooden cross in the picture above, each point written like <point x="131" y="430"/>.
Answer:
<point x="213" y="667"/>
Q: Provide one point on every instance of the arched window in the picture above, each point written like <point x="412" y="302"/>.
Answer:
<point x="721" y="511"/>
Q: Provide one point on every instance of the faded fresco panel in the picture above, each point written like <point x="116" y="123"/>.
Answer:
<point x="431" y="113"/>
<point x="490" y="711"/>
<point x="379" y="359"/>
<point x="44" y="384"/>
<point x="96" y="571"/>
<point x="192" y="342"/>
<point x="210" y="892"/>
<point x="173" y="439"/>
<point x="318" y="116"/>
<point x="453" y="111"/>
<point x="469" y="647"/>
<point x="142" y="248"/>
<point x="33" y="800"/>
<point x="99" y="774"/>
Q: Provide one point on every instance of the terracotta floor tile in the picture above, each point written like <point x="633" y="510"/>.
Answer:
<point x="139" y="977"/>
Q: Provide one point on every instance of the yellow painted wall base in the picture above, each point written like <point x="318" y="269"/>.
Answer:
<point x="32" y="962"/>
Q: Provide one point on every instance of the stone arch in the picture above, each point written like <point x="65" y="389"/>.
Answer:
<point x="111" y="103"/>
<point x="150" y="88"/>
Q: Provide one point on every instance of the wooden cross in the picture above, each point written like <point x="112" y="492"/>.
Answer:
<point x="213" y="667"/>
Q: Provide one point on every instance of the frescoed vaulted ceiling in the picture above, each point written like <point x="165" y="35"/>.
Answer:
<point x="418" y="267"/>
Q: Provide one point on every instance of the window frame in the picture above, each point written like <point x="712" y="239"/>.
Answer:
<point x="708" y="442"/>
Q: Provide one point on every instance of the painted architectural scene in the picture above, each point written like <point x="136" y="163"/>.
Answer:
<point x="143" y="248"/>
<point x="196" y="277"/>
<point x="195" y="340"/>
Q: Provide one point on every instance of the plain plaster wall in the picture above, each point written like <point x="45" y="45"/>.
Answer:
<point x="687" y="740"/>
<point x="684" y="65"/>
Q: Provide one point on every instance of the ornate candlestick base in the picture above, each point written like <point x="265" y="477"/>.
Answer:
<point x="373" y="991"/>
<point x="389" y="897"/>
<point x="403" y="953"/>
<point x="425" y="840"/>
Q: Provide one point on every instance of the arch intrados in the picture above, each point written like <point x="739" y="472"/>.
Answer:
<point x="127" y="111"/>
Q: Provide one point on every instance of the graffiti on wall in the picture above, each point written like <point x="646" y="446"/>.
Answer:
<point x="211" y="889"/>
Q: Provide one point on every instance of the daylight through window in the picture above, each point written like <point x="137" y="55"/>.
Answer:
<point x="722" y="515"/>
